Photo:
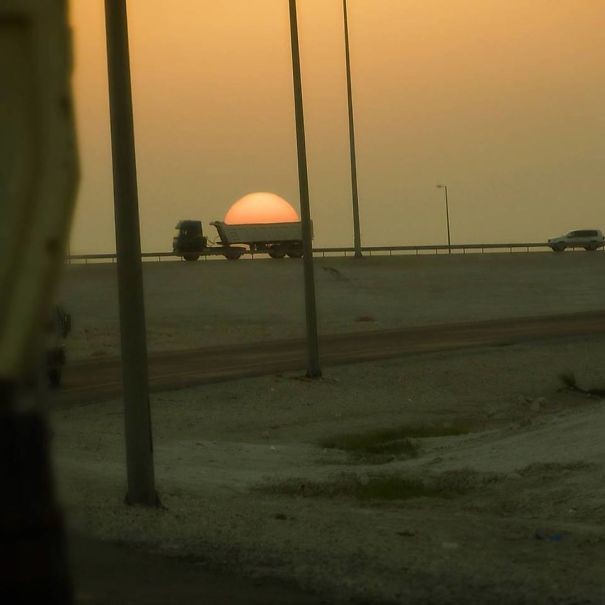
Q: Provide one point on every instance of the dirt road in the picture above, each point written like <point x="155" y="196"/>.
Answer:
<point x="99" y="379"/>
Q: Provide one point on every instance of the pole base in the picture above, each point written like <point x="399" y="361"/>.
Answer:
<point x="314" y="373"/>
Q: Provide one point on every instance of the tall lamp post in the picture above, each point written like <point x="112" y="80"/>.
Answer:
<point x="447" y="218"/>
<point x="137" y="415"/>
<point x="354" y="188"/>
<point x="313" y="367"/>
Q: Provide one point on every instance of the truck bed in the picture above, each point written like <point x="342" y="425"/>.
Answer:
<point x="258" y="233"/>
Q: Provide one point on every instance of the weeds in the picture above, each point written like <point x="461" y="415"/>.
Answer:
<point x="554" y="469"/>
<point x="386" y="487"/>
<point x="396" y="488"/>
<point x="388" y="444"/>
<point x="378" y="488"/>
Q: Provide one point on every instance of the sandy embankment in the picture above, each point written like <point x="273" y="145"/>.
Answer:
<point x="192" y="305"/>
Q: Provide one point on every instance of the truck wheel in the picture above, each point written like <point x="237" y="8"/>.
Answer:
<point x="277" y="253"/>
<point x="295" y="253"/>
<point x="232" y="255"/>
<point x="191" y="257"/>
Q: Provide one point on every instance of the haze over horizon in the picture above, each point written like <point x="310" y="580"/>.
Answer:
<point x="501" y="101"/>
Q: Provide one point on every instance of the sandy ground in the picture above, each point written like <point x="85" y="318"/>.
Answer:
<point x="191" y="305"/>
<point x="517" y="514"/>
<point x="106" y="573"/>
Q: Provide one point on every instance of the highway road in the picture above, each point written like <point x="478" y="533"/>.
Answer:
<point x="100" y="378"/>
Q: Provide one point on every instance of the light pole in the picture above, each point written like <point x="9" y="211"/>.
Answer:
<point x="137" y="416"/>
<point x="354" y="188"/>
<point x="447" y="218"/>
<point x="313" y="367"/>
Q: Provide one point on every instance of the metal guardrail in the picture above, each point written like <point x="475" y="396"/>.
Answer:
<point x="344" y="251"/>
<point x="112" y="256"/>
<point x="434" y="248"/>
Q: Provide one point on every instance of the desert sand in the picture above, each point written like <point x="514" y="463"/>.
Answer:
<point x="500" y="499"/>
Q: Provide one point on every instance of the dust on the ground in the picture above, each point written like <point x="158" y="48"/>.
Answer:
<point x="508" y="509"/>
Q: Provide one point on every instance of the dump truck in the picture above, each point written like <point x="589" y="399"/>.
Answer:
<point x="275" y="239"/>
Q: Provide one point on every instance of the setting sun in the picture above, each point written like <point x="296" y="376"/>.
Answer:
<point x="261" y="208"/>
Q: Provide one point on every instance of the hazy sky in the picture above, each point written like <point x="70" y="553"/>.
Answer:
<point x="502" y="100"/>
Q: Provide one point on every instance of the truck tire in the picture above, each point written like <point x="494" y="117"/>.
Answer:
<point x="191" y="257"/>
<point x="295" y="253"/>
<point x="277" y="252"/>
<point x="232" y="254"/>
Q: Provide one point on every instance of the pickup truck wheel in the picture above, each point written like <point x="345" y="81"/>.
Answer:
<point x="277" y="253"/>
<point x="295" y="253"/>
<point x="191" y="257"/>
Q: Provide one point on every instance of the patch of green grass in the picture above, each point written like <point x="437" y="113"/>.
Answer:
<point x="554" y="469"/>
<point x="376" y="488"/>
<point x="393" y="442"/>
<point x="391" y="487"/>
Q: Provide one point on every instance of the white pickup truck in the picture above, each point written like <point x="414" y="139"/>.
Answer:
<point x="589" y="239"/>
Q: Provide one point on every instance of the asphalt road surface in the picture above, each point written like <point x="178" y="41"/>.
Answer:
<point x="100" y="379"/>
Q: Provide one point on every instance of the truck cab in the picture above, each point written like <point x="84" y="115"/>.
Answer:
<point x="189" y="240"/>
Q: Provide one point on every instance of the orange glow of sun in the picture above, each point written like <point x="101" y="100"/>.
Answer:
<point x="261" y="208"/>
